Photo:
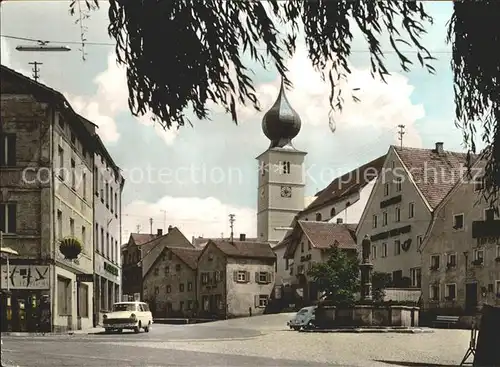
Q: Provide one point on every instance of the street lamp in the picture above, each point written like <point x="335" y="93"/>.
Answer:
<point x="7" y="251"/>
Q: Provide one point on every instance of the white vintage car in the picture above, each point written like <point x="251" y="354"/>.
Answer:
<point x="128" y="315"/>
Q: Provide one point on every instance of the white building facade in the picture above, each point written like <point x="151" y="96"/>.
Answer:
<point x="108" y="187"/>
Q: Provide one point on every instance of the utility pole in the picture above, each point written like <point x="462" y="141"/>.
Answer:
<point x="150" y="225"/>
<point x="35" y="69"/>
<point x="231" y="225"/>
<point x="401" y="132"/>
<point x="138" y="228"/>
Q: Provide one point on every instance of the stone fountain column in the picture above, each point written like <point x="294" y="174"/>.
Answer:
<point x="366" y="270"/>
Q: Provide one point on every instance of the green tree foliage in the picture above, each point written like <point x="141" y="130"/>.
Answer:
<point x="183" y="54"/>
<point x="338" y="277"/>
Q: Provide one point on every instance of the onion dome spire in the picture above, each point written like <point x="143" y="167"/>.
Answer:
<point x="281" y="123"/>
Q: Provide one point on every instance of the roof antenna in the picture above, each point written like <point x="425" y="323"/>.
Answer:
<point x="401" y="132"/>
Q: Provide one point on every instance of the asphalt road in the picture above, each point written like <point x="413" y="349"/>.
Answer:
<point x="105" y="350"/>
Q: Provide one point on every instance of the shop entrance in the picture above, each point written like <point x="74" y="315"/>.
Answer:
<point x="20" y="310"/>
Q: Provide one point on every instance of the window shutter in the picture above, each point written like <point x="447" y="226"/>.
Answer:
<point x="3" y="212"/>
<point x="12" y="218"/>
<point x="270" y="277"/>
<point x="11" y="152"/>
<point x="247" y="276"/>
<point x="235" y="276"/>
<point x="256" y="300"/>
<point x="3" y="138"/>
<point x="256" y="277"/>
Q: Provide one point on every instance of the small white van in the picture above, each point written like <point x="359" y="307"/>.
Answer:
<point x="304" y="318"/>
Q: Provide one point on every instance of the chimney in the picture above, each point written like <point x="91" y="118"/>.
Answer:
<point x="339" y="221"/>
<point x="170" y="229"/>
<point x="159" y="232"/>
<point x="243" y="237"/>
<point x="439" y="147"/>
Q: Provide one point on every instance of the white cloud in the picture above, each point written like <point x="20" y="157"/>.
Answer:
<point x="382" y="105"/>
<point x="207" y="217"/>
<point x="110" y="100"/>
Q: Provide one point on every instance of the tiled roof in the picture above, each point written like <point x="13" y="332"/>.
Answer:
<point x="248" y="249"/>
<point x="324" y="234"/>
<point x="435" y="173"/>
<point x="347" y="184"/>
<point x="188" y="255"/>
<point x="202" y="241"/>
<point x="142" y="238"/>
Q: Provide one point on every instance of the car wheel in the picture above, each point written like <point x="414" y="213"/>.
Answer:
<point x="296" y="328"/>
<point x="146" y="329"/>
<point x="119" y="330"/>
<point x="107" y="330"/>
<point x="137" y="329"/>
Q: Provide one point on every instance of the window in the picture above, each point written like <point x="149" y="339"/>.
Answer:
<point x="318" y="217"/>
<point x="420" y="239"/>
<point x="72" y="227"/>
<point x="63" y="296"/>
<point x="434" y="262"/>
<point x="397" y="215"/>
<point x="302" y="246"/>
<point x="285" y="167"/>
<point x="434" y="292"/>
<point x="107" y="195"/>
<point x="241" y="276"/>
<point x="497" y="291"/>
<point x="498" y="252"/>
<point x="96" y="181"/>
<point x="374" y="251"/>
<point x="7" y="150"/>
<point x="478" y="256"/>
<point x="333" y="212"/>
<point x="416" y="277"/>
<point x="181" y="287"/>
<point x="157" y="289"/>
<point x="169" y="289"/>
<point x="83" y="300"/>
<point x="386" y="189"/>
<point x="190" y="286"/>
<point x="478" y="184"/>
<point x="107" y="245"/>
<point x="190" y="305"/>
<point x="167" y="270"/>
<point x="451" y="292"/>
<point x="397" y="247"/>
<point x="96" y="239"/>
<point x="458" y="221"/>
<point x="411" y="210"/>
<point x="374" y="221"/>
<point x="84" y="183"/>
<point x="116" y="204"/>
<point x="384" y="218"/>
<point x="8" y="217"/>
<point x="177" y="267"/>
<point x="84" y="237"/>
<point x="73" y="174"/>
<point x="111" y="199"/>
<point x="102" y="241"/>
<point x="262" y="277"/>
<point x="384" y="250"/>
<point x="60" y="157"/>
<point x="452" y="260"/>
<point x="181" y="305"/>
<point x="261" y="300"/>
<point x="217" y="276"/>
<point x="262" y="168"/>
<point x="489" y="214"/>
<point x="399" y="185"/>
<point x="204" y="278"/>
<point x="59" y="225"/>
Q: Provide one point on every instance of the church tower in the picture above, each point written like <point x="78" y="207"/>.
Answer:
<point x="281" y="174"/>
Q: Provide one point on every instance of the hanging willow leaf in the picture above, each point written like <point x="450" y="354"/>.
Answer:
<point x="475" y="36"/>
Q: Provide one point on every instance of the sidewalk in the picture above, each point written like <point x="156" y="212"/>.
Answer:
<point x="93" y="330"/>
<point x="399" y="330"/>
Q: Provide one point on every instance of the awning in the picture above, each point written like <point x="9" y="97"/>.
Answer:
<point x="8" y="250"/>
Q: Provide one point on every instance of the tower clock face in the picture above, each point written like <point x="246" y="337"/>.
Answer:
<point x="286" y="192"/>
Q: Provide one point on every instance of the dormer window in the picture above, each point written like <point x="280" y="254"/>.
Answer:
<point x="318" y="217"/>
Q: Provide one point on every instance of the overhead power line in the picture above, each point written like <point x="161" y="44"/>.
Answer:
<point x="89" y="43"/>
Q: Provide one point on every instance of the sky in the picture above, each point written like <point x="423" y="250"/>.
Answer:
<point x="194" y="177"/>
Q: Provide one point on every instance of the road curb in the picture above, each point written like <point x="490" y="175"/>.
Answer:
<point x="361" y="330"/>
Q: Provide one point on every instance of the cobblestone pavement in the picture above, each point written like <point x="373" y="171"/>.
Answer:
<point x="261" y="340"/>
